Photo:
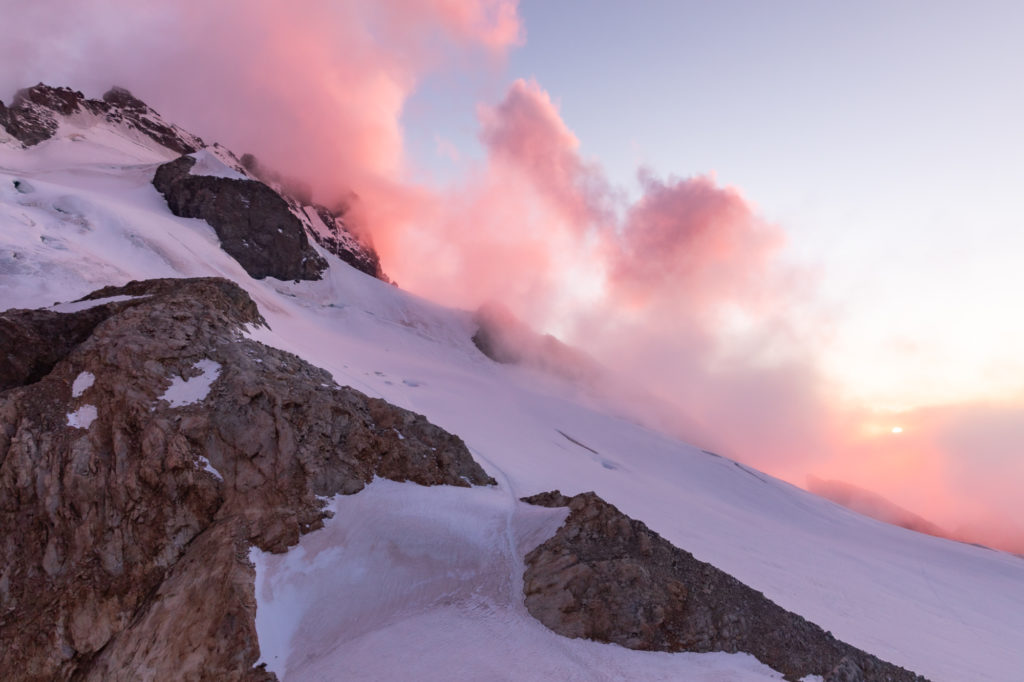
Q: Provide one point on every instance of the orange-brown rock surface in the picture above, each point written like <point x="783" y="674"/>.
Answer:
<point x="610" y="578"/>
<point x="127" y="510"/>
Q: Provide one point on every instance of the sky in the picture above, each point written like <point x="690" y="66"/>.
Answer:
<point x="884" y="138"/>
<point x="797" y="223"/>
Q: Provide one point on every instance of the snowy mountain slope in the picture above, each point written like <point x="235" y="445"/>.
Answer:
<point x="444" y="600"/>
<point x="84" y="214"/>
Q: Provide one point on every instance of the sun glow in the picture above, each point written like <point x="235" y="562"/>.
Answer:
<point x="897" y="429"/>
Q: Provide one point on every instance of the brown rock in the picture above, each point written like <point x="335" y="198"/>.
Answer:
<point x="121" y="555"/>
<point x="607" y="577"/>
<point x="35" y="113"/>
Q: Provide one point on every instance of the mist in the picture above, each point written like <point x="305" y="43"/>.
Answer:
<point x="682" y="286"/>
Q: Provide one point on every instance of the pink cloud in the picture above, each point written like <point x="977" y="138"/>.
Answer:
<point x="526" y="132"/>
<point x="701" y="244"/>
<point x="316" y="93"/>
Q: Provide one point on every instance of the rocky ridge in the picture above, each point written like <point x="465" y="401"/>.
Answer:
<point x="142" y="456"/>
<point x="35" y="114"/>
<point x="245" y="217"/>
<point x="329" y="230"/>
<point x="607" y="577"/>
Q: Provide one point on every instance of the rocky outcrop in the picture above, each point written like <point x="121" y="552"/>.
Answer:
<point x="141" y="457"/>
<point x="255" y="225"/>
<point x="607" y="577"/>
<point x="337" y="238"/>
<point x="32" y="122"/>
<point x="326" y="226"/>
<point x="35" y="113"/>
<point x="33" y="341"/>
<point x="124" y="108"/>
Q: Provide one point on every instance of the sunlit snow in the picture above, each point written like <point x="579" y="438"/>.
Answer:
<point x="209" y="164"/>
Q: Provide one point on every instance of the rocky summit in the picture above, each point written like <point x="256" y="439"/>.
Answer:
<point x="610" y="578"/>
<point x="144" y="451"/>
<point x="35" y="114"/>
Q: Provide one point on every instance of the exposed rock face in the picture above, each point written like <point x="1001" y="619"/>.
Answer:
<point x="33" y="341"/>
<point x="34" y="116"/>
<point x="339" y="240"/>
<point x="129" y="497"/>
<point x="123" y="107"/>
<point x="326" y="226"/>
<point x="254" y="224"/>
<point x="30" y="122"/>
<point x="607" y="577"/>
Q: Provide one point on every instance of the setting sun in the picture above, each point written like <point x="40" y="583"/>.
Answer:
<point x="897" y="429"/>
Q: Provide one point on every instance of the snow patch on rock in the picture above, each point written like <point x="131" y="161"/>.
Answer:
<point x="183" y="391"/>
<point x="210" y="164"/>
<point x="440" y="570"/>
<point x="205" y="463"/>
<point x="77" y="306"/>
<point x="82" y="382"/>
<point x="83" y="417"/>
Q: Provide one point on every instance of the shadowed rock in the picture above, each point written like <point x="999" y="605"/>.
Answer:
<point x="254" y="224"/>
<point x="607" y="577"/>
<point x="124" y="540"/>
<point x="33" y="341"/>
<point x="326" y="226"/>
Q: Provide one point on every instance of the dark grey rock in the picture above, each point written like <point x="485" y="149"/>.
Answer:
<point x="329" y="228"/>
<point x="340" y="241"/>
<point x="607" y="577"/>
<point x="254" y="223"/>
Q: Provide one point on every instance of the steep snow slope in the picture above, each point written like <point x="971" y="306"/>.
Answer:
<point x="84" y="215"/>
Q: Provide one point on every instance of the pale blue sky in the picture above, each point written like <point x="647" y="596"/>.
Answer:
<point x="886" y="138"/>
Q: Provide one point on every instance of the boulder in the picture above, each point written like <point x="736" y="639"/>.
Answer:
<point x="607" y="577"/>
<point x="253" y="222"/>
